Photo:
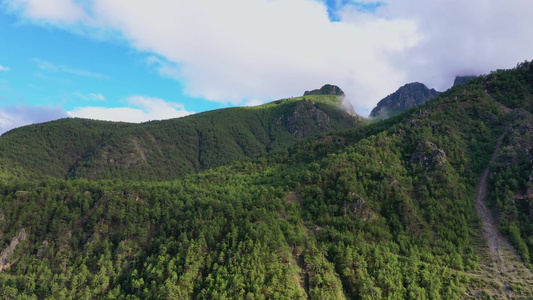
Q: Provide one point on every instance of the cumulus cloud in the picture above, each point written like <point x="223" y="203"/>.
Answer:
<point x="20" y="115"/>
<point x="2" y="68"/>
<point x="53" y="68"/>
<point x="143" y="109"/>
<point x="462" y="37"/>
<point x="256" y="49"/>
<point x="238" y="50"/>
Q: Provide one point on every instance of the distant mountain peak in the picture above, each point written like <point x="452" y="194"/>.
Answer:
<point x="327" y="89"/>
<point x="407" y="96"/>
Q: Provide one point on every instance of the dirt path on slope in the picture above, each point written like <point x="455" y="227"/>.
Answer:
<point x="503" y="268"/>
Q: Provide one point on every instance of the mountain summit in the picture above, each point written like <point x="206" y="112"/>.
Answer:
<point x="405" y="97"/>
<point x="462" y="79"/>
<point x="327" y="89"/>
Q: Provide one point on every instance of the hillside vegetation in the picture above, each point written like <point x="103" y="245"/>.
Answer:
<point x="159" y="150"/>
<point x="382" y="211"/>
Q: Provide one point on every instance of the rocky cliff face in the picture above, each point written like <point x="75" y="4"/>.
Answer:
<point x="5" y="256"/>
<point x="407" y="96"/>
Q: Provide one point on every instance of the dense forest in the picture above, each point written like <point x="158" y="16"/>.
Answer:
<point x="383" y="210"/>
<point x="169" y="149"/>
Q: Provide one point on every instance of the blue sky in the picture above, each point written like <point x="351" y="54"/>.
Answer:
<point x="50" y="66"/>
<point x="127" y="60"/>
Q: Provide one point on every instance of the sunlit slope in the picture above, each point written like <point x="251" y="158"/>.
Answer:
<point x="386" y="210"/>
<point x="73" y="148"/>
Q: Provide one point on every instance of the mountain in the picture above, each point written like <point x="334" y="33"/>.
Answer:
<point x="330" y="89"/>
<point x="407" y="96"/>
<point x="327" y="89"/>
<point x="463" y="79"/>
<point x="75" y="148"/>
<point x="398" y="208"/>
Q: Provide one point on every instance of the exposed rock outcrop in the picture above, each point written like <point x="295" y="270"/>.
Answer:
<point x="5" y="256"/>
<point x="428" y="155"/>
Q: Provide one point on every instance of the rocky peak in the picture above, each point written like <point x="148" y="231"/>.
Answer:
<point x="405" y="97"/>
<point x="327" y="89"/>
<point x="462" y="79"/>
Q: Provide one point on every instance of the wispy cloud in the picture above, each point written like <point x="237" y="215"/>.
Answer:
<point x="91" y="96"/>
<point x="56" y="11"/>
<point x="53" y="68"/>
<point x="141" y="109"/>
<point x="2" y="68"/>
<point x="5" y="85"/>
<point x="164" y="68"/>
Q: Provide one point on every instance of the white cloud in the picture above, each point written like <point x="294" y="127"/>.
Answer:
<point x="235" y="50"/>
<point x="242" y="49"/>
<point x="20" y="115"/>
<point x="2" y="68"/>
<point x="60" y="11"/>
<point x="461" y="37"/>
<point x="253" y="102"/>
<point x="144" y="109"/>
<point x="163" y="67"/>
<point x="53" y="68"/>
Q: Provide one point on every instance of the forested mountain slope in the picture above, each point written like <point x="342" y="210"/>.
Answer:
<point x="52" y="148"/>
<point x="74" y="148"/>
<point x="381" y="211"/>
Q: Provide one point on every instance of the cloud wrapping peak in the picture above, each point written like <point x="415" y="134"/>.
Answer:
<point x="462" y="37"/>
<point x="241" y="50"/>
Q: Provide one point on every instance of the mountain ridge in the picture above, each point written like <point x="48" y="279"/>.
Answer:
<point x="385" y="210"/>
<point x="170" y="148"/>
<point x="408" y="95"/>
